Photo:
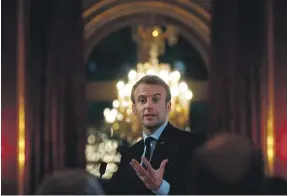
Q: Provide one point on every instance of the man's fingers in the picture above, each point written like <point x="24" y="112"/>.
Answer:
<point x="134" y="166"/>
<point x="162" y="165"/>
<point x="147" y="164"/>
<point x="135" y="162"/>
<point x="138" y="168"/>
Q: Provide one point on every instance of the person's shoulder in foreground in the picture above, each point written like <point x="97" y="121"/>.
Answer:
<point x="70" y="182"/>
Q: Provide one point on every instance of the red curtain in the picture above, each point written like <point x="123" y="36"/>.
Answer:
<point x="237" y="66"/>
<point x="249" y="39"/>
<point x="9" y="98"/>
<point x="55" y="94"/>
<point x="280" y="59"/>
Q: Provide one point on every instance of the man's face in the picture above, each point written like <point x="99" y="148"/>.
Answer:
<point x="150" y="105"/>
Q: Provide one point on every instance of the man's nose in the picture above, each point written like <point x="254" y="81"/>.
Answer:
<point x="149" y="104"/>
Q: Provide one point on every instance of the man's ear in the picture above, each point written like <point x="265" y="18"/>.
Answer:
<point x="168" y="106"/>
<point x="134" y="109"/>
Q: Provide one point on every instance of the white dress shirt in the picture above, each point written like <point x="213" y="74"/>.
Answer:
<point x="164" y="187"/>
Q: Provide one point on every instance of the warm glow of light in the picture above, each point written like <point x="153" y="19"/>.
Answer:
<point x="116" y="126"/>
<point x="150" y="72"/>
<point x="110" y="118"/>
<point x="178" y="108"/>
<point x="189" y="95"/>
<point x="120" y="117"/>
<point x="21" y="159"/>
<point x="21" y="144"/>
<point x="106" y="112"/>
<point x="174" y="91"/>
<point x="155" y="33"/>
<point x="270" y="146"/>
<point x="269" y="124"/>
<point x="116" y="103"/>
<point x="91" y="139"/>
<point x="129" y="111"/>
<point x="125" y="103"/>
<point x="122" y="93"/>
<point x="21" y="83"/>
<point x="270" y="142"/>
<point x="128" y="89"/>
<point x="120" y="85"/>
<point x="132" y="75"/>
<point x="175" y="75"/>
<point x="164" y="75"/>
<point x="270" y="154"/>
<point x="114" y="112"/>
<point x="183" y="87"/>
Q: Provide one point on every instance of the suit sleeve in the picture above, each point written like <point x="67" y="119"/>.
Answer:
<point x="181" y="184"/>
<point x="115" y="186"/>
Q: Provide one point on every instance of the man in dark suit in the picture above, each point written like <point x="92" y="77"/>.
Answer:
<point x="160" y="162"/>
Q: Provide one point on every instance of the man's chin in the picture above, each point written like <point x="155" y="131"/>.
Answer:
<point x="151" y="125"/>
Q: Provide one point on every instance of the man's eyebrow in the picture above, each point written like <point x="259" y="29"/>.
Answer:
<point x="155" y="94"/>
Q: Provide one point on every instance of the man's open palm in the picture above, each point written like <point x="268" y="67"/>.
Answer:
<point x="151" y="178"/>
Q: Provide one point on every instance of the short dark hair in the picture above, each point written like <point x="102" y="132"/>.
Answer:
<point x="153" y="80"/>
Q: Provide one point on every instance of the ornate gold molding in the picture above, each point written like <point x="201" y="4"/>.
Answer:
<point x="140" y="7"/>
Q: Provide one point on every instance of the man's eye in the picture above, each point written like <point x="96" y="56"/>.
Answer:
<point x="155" y="99"/>
<point x="142" y="100"/>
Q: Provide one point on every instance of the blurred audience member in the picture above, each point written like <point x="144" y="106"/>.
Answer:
<point x="70" y="182"/>
<point x="228" y="164"/>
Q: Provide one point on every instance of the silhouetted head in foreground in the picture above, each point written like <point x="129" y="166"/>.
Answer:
<point x="228" y="164"/>
<point x="70" y="182"/>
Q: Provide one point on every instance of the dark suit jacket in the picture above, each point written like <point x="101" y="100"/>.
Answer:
<point x="174" y="145"/>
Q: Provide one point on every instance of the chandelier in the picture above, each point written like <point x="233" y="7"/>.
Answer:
<point x="120" y="117"/>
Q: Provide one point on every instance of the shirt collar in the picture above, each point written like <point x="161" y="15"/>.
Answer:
<point x="156" y="134"/>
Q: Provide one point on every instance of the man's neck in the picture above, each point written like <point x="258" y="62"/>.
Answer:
<point x="149" y="131"/>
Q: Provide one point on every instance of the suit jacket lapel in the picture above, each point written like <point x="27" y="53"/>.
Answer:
<point x="161" y="148"/>
<point x="138" y="151"/>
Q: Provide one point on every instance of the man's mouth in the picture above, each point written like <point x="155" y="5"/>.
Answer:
<point x="149" y="115"/>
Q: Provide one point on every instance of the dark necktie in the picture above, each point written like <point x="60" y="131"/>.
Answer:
<point x="147" y="143"/>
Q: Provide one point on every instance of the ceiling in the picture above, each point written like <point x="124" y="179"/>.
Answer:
<point x="110" y="51"/>
<point x="205" y="4"/>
